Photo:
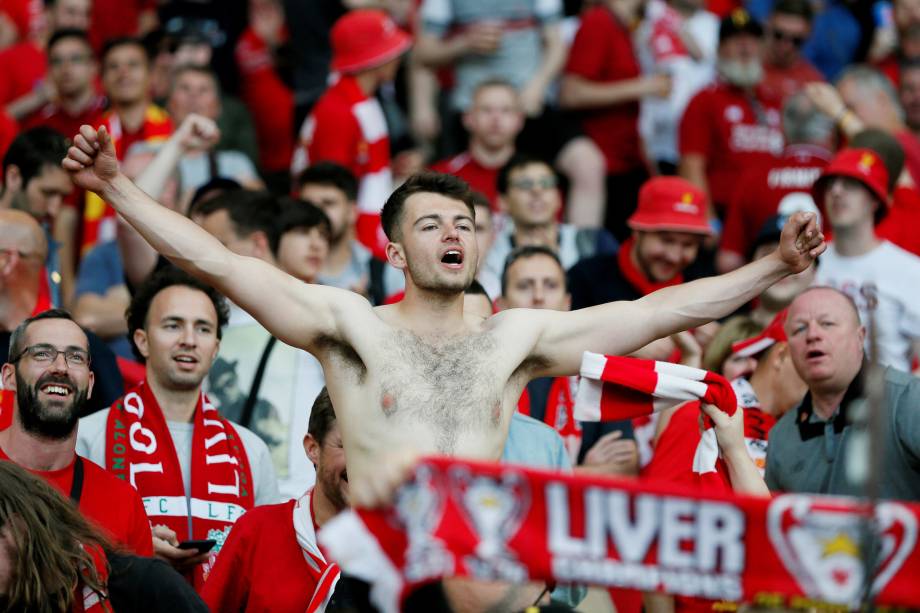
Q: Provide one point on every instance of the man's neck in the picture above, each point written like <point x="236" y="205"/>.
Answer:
<point x="431" y="313"/>
<point x="37" y="453"/>
<point x="622" y="13"/>
<point x="132" y="115"/>
<point x="856" y="240"/>
<point x="323" y="509"/>
<point x="76" y="104"/>
<point x="546" y="235"/>
<point x="766" y="397"/>
<point x="367" y="82"/>
<point x="177" y="405"/>
<point x="339" y="254"/>
<point x="490" y="158"/>
<point x="825" y="403"/>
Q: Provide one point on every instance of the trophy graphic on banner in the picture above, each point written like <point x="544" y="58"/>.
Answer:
<point x="495" y="509"/>
<point x="419" y="508"/>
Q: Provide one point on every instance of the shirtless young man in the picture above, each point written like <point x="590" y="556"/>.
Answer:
<point x="418" y="374"/>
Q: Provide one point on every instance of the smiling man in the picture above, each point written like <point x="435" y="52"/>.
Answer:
<point x="49" y="373"/>
<point x="196" y="471"/>
<point x="811" y="445"/>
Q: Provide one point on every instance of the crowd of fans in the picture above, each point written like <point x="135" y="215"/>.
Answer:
<point x="613" y="148"/>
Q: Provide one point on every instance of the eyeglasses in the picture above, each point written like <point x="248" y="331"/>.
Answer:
<point x="780" y="36"/>
<point x="528" y="184"/>
<point x="47" y="354"/>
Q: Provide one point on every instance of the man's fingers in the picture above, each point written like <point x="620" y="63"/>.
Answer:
<point x="89" y="134"/>
<point x="105" y="139"/>
<point x="75" y="153"/>
<point x="72" y="165"/>
<point x="83" y="145"/>
<point x="609" y="437"/>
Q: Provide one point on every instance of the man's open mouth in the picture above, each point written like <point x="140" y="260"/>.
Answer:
<point x="452" y="257"/>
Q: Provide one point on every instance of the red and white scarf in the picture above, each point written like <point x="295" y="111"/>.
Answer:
<point x="613" y="388"/>
<point x="512" y="523"/>
<point x="635" y="277"/>
<point x="757" y="423"/>
<point x="324" y="575"/>
<point x="140" y="450"/>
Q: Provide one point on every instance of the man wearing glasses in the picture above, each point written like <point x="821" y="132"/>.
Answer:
<point x="785" y="70"/>
<point x="49" y="373"/>
<point x="528" y="192"/>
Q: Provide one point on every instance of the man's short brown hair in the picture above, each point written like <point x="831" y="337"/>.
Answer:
<point x="423" y="182"/>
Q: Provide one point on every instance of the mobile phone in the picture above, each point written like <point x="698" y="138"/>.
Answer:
<point x="203" y="545"/>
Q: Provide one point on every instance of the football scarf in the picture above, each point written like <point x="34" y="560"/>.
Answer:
<point x="139" y="449"/>
<point x="324" y="575"/>
<point x="636" y="277"/>
<point x="613" y="388"/>
<point x="514" y="524"/>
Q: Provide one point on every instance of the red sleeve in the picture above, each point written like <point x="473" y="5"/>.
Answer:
<point x="141" y="538"/>
<point x="335" y="138"/>
<point x="227" y="587"/>
<point x="587" y="56"/>
<point x="694" y="126"/>
<point x="899" y="225"/>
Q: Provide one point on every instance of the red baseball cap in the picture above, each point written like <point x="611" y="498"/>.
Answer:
<point x="671" y="203"/>
<point x="864" y="165"/>
<point x="772" y="334"/>
<point x="364" y="39"/>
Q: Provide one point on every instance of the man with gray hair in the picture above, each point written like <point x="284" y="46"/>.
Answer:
<point x="781" y="188"/>
<point x="865" y="98"/>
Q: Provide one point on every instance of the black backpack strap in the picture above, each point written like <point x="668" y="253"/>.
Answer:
<point x="246" y="415"/>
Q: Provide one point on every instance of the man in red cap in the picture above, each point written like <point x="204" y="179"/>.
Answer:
<point x="731" y="125"/>
<point x="347" y="125"/>
<point x="668" y="228"/>
<point x="880" y="277"/>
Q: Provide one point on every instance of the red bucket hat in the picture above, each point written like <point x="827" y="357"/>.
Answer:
<point x="365" y="39"/>
<point x="671" y="203"/>
<point x="864" y="165"/>
<point x="772" y="334"/>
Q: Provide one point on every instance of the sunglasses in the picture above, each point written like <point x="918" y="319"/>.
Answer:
<point x="780" y="36"/>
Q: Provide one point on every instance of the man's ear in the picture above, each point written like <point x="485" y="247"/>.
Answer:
<point x="12" y="178"/>
<point x="396" y="255"/>
<point x="140" y="339"/>
<point x="8" y="373"/>
<point x="311" y="447"/>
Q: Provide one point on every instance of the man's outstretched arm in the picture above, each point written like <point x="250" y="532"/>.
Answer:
<point x="295" y="312"/>
<point x="619" y="328"/>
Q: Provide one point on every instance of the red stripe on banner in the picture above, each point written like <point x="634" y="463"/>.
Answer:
<point x="510" y="523"/>
<point x="618" y="402"/>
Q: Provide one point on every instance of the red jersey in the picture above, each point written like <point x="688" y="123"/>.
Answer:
<point x="466" y="167"/>
<point x="781" y="83"/>
<point x="733" y="131"/>
<point x="760" y="191"/>
<point x="269" y="100"/>
<point x="56" y="118"/>
<point x="890" y="66"/>
<point x="348" y="127"/>
<point x="107" y="501"/>
<point x="900" y="224"/>
<point x="23" y="66"/>
<point x="603" y="52"/>
<point x="8" y="131"/>
<point x="261" y="567"/>
<point x="911" y="146"/>
<point x="99" y="217"/>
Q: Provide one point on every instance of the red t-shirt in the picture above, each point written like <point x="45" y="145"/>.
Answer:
<point x="911" y="146"/>
<point x="23" y="66"/>
<point x="890" y="66"/>
<point x="902" y="220"/>
<point x="261" y="567"/>
<point x="269" y="100"/>
<point x="733" y="132"/>
<point x="759" y="192"/>
<point x="107" y="501"/>
<point x="602" y="51"/>
<point x="8" y="131"/>
<point x="56" y="118"/>
<point x="479" y="177"/>
<point x="783" y="82"/>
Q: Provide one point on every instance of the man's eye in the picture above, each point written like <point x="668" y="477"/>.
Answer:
<point x="41" y="354"/>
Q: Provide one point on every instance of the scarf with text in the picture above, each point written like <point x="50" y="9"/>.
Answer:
<point x="511" y="523"/>
<point x="324" y="575"/>
<point x="635" y="277"/>
<point x="559" y="413"/>
<point x="757" y="423"/>
<point x="140" y="450"/>
<point x="86" y="599"/>
<point x="613" y="388"/>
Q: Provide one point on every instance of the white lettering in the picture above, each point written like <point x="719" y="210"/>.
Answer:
<point x="677" y="525"/>
<point x="720" y="529"/>
<point x="135" y="429"/>
<point x="632" y="540"/>
<point x="210" y="442"/>
<point x="136" y="468"/>
<point x="212" y="423"/>
<point x="232" y="490"/>
<point x="134" y="404"/>
<point x="221" y="458"/>
<point x="561" y="540"/>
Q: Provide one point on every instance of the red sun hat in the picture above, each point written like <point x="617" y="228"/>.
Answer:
<point x="772" y="334"/>
<point x="364" y="39"/>
<point x="671" y="204"/>
<point x="864" y="165"/>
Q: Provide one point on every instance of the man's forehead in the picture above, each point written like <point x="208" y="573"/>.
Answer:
<point x="183" y="302"/>
<point x="538" y="264"/>
<point x="423" y="204"/>
<point x="533" y="168"/>
<point x="820" y="301"/>
<point x="58" y="332"/>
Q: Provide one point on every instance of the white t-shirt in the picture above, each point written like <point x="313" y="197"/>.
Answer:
<point x="887" y="281"/>
<point x="91" y="445"/>
<point x="292" y="380"/>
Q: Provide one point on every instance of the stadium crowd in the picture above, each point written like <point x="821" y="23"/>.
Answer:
<point x="240" y="238"/>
